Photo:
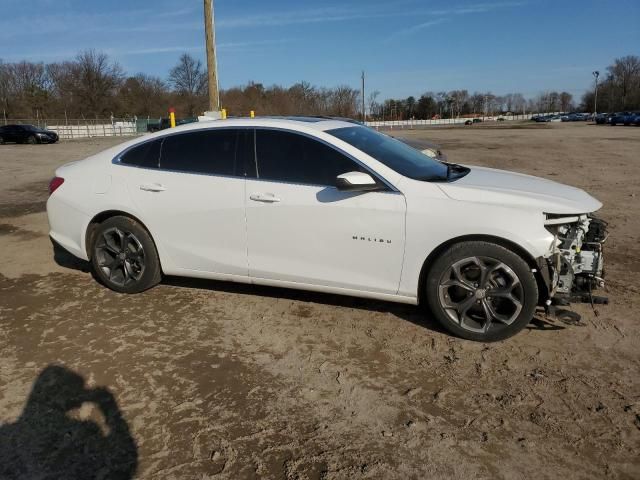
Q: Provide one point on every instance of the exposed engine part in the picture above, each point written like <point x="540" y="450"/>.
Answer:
<point x="577" y="260"/>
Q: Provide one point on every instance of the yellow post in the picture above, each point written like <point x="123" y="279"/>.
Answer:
<point x="252" y="114"/>
<point x="172" y="117"/>
<point x="223" y="113"/>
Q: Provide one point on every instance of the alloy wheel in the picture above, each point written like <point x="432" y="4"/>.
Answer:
<point x="479" y="293"/>
<point x="120" y="256"/>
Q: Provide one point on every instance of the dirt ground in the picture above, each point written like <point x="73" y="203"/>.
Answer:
<point x="199" y="379"/>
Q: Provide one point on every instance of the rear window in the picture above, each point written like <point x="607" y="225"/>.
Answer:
<point x="209" y="151"/>
<point x="145" y="155"/>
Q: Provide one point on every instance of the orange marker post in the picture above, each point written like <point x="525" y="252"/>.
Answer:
<point x="172" y="117"/>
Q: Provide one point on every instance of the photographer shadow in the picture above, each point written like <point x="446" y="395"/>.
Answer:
<point x="51" y="440"/>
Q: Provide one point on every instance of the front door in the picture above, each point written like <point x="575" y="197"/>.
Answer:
<point x="302" y="229"/>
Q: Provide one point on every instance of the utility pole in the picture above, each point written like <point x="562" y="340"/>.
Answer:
<point x="212" y="69"/>
<point x="596" y="74"/>
<point x="364" y="112"/>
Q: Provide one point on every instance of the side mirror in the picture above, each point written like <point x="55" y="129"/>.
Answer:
<point x="356" y="182"/>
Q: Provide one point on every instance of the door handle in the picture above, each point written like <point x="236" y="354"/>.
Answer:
<point x="264" y="197"/>
<point x="153" y="187"/>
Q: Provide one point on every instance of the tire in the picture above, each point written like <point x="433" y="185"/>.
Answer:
<point x="32" y="140"/>
<point x="1" y="141"/>
<point x="124" y="257"/>
<point x="455" y="291"/>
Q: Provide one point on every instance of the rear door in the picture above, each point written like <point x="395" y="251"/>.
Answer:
<point x="302" y="229"/>
<point x="192" y="198"/>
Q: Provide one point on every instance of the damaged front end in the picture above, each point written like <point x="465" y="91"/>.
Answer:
<point x="575" y="266"/>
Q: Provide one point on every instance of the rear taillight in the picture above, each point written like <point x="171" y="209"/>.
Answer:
<point x="55" y="183"/>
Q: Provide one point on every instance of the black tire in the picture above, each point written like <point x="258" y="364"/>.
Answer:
<point x="510" y="291"/>
<point x="1" y="140"/>
<point x="32" y="140"/>
<point x="124" y="257"/>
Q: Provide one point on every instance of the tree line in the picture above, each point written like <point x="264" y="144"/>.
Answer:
<point x="94" y="86"/>
<point x="620" y="88"/>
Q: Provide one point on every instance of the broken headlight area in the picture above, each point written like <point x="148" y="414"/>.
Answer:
<point x="577" y="258"/>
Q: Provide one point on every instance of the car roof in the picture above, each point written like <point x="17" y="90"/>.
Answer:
<point x="291" y="122"/>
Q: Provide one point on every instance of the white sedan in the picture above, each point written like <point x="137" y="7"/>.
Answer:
<point x="330" y="206"/>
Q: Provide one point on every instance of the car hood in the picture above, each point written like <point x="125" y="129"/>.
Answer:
<point x="490" y="185"/>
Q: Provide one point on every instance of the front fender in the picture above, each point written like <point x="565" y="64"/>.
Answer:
<point x="432" y="223"/>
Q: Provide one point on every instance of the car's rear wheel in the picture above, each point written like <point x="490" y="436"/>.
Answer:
<point x="481" y="291"/>
<point x="124" y="256"/>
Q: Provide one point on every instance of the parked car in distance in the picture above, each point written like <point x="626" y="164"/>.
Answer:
<point x="26" y="134"/>
<point x="330" y="206"/>
<point x="157" y="124"/>
<point x="601" y="118"/>
<point x="622" y="118"/>
<point x="428" y="148"/>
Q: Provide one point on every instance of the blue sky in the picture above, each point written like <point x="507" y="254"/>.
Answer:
<point x="406" y="47"/>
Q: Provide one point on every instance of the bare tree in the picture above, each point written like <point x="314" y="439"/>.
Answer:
<point x="625" y="75"/>
<point x="91" y="82"/>
<point x="372" y="102"/>
<point x="566" y="102"/>
<point x="143" y="95"/>
<point x="343" y="101"/>
<point x="188" y="76"/>
<point x="518" y="103"/>
<point x="4" y="87"/>
<point x="189" y="80"/>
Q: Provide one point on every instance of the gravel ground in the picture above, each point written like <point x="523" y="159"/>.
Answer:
<point x="201" y="379"/>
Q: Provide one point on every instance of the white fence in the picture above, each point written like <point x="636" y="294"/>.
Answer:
<point x="449" y="121"/>
<point x="116" y="129"/>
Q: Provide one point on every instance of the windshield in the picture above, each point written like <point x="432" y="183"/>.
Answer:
<point x="393" y="153"/>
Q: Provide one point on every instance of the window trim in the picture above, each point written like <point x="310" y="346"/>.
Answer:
<point x="376" y="176"/>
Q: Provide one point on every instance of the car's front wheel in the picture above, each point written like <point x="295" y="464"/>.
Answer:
<point x="481" y="291"/>
<point x="124" y="257"/>
<point x="32" y="140"/>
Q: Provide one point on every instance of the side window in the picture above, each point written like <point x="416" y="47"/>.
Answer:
<point x="207" y="151"/>
<point x="290" y="157"/>
<point x="146" y="155"/>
